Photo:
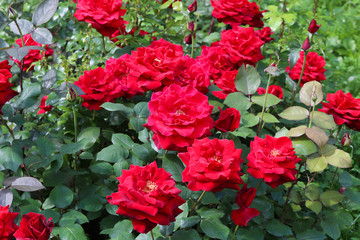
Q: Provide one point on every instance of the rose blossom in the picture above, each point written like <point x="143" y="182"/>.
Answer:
<point x="242" y="45"/>
<point x="273" y="89"/>
<point x="7" y="224"/>
<point x="33" y="226"/>
<point x="6" y="93"/>
<point x="43" y="107"/>
<point x="313" y="27"/>
<point x="237" y="12"/>
<point x="228" y="121"/>
<point x="33" y="55"/>
<point x="178" y="116"/>
<point x="98" y="88"/>
<point x="244" y="199"/>
<point x="193" y="7"/>
<point x="212" y="165"/>
<point x="226" y="83"/>
<point x="265" y="34"/>
<point x="104" y="15"/>
<point x="344" y="108"/>
<point x="157" y="65"/>
<point x="272" y="159"/>
<point x="148" y="196"/>
<point x="314" y="68"/>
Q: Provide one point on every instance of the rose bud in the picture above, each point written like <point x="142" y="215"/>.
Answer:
<point x="306" y="45"/>
<point x="71" y="95"/>
<point x="193" y="6"/>
<point x="188" y="39"/>
<point x="191" y="26"/>
<point x="229" y="120"/>
<point x="313" y="28"/>
<point x="346" y="141"/>
<point x="341" y="190"/>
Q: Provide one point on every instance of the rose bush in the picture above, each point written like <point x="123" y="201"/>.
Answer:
<point x="7" y="224"/>
<point x="33" y="226"/>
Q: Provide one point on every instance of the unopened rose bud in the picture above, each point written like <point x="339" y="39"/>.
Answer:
<point x="13" y="15"/>
<point x="341" y="190"/>
<point x="191" y="26"/>
<point x="71" y="95"/>
<point x="313" y="28"/>
<point x="188" y="39"/>
<point x="306" y="45"/>
<point x="346" y="141"/>
<point x="193" y="6"/>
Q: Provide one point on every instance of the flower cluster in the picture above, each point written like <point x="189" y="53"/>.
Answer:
<point x="148" y="196"/>
<point x="6" y="93"/>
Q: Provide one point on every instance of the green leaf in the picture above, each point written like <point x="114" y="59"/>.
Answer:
<point x="71" y="148"/>
<point x="268" y="118"/>
<point x="295" y="113"/>
<point x="314" y="206"/>
<point x="174" y="165"/>
<point x="323" y="120"/>
<point x="213" y="37"/>
<point x="188" y="222"/>
<point x="331" y="228"/>
<point x="247" y="80"/>
<point x="26" y="184"/>
<point x="113" y="153"/>
<point x="304" y="146"/>
<point x="316" y="164"/>
<point x="312" y="192"/>
<point x="310" y="235"/>
<point x="317" y="135"/>
<point x="121" y="230"/>
<point x="271" y="100"/>
<point x="353" y="196"/>
<point x="91" y="203"/>
<point x="46" y="146"/>
<point x="330" y="198"/>
<point x="72" y="217"/>
<point x="6" y="197"/>
<point x="297" y="131"/>
<point x="24" y="25"/>
<point x="345" y="179"/>
<point x="74" y="232"/>
<point x="113" y="107"/>
<point x="238" y="101"/>
<point x="89" y="136"/>
<point x="11" y="157"/>
<point x="122" y="139"/>
<point x="18" y="52"/>
<point x="276" y="228"/>
<point x="44" y="11"/>
<point x="210" y="213"/>
<point x="177" y="6"/>
<point x="166" y="230"/>
<point x="102" y="168"/>
<point x="166" y="4"/>
<point x="249" y="119"/>
<point x="186" y="235"/>
<point x="293" y="57"/>
<point x="49" y="79"/>
<point x="29" y="95"/>
<point x="214" y="228"/>
<point x="42" y="36"/>
<point x="142" y="110"/>
<point x="340" y="159"/>
<point x="310" y="91"/>
<point x="61" y="196"/>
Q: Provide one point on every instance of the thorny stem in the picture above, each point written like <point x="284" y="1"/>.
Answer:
<point x="299" y="81"/>
<point x="232" y="237"/>
<point x="263" y="108"/>
<point x="22" y="61"/>
<point x="76" y="134"/>
<point x="197" y="202"/>
<point x="332" y="181"/>
<point x="8" y="128"/>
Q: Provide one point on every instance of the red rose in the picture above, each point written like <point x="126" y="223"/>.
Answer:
<point x="228" y="121"/>
<point x="148" y="196"/>
<point x="314" y="68"/>
<point x="265" y="34"/>
<point x="212" y="165"/>
<point x="193" y="7"/>
<point x="6" y="93"/>
<point x="272" y="159"/>
<point x="157" y="65"/>
<point x="33" y="226"/>
<point x="226" y="83"/>
<point x="313" y="28"/>
<point x="103" y="15"/>
<point x="346" y="140"/>
<point x="306" y="45"/>
<point x="7" y="224"/>
<point x="344" y="108"/>
<point x="215" y="61"/>
<point x="43" y="107"/>
<point x="98" y="88"/>
<point x="237" y="12"/>
<point x="242" y="45"/>
<point x="118" y="70"/>
<point x="244" y="199"/>
<point x="273" y="89"/>
<point x="178" y="116"/>
<point x="193" y="75"/>
<point x="33" y="55"/>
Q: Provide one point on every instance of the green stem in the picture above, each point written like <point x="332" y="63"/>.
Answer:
<point x="197" y="202"/>
<point x="232" y="237"/>
<point x="257" y="186"/>
<point x="332" y="181"/>
<point x="299" y="81"/>
<point x="21" y="35"/>
<point x="192" y="44"/>
<point x="152" y="235"/>
<point x="104" y="49"/>
<point x="75" y="123"/>
<point x="311" y="116"/>
<point x="7" y="127"/>
<point x="263" y="108"/>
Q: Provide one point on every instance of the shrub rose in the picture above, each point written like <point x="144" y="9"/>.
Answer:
<point x="43" y="107"/>
<point x="212" y="165"/>
<point x="244" y="199"/>
<point x="6" y="93"/>
<point x="242" y="45"/>
<point x="33" y="55"/>
<point x="33" y="226"/>
<point x="157" y="65"/>
<point x="148" y="196"/>
<point x="272" y="159"/>
<point x="237" y="12"/>
<point x="313" y="27"/>
<point x="103" y="15"/>
<point x="228" y="121"/>
<point x="98" y="88"/>
<point x="314" y="68"/>
<point x="7" y="224"/>
<point x="178" y="116"/>
<point x="344" y="108"/>
<point x="273" y="89"/>
<point x="226" y="83"/>
<point x="265" y="34"/>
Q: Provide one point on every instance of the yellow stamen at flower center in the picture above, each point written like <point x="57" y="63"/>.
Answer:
<point x="179" y="111"/>
<point x="150" y="186"/>
<point x="274" y="152"/>
<point x="157" y="60"/>
<point x="217" y="158"/>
